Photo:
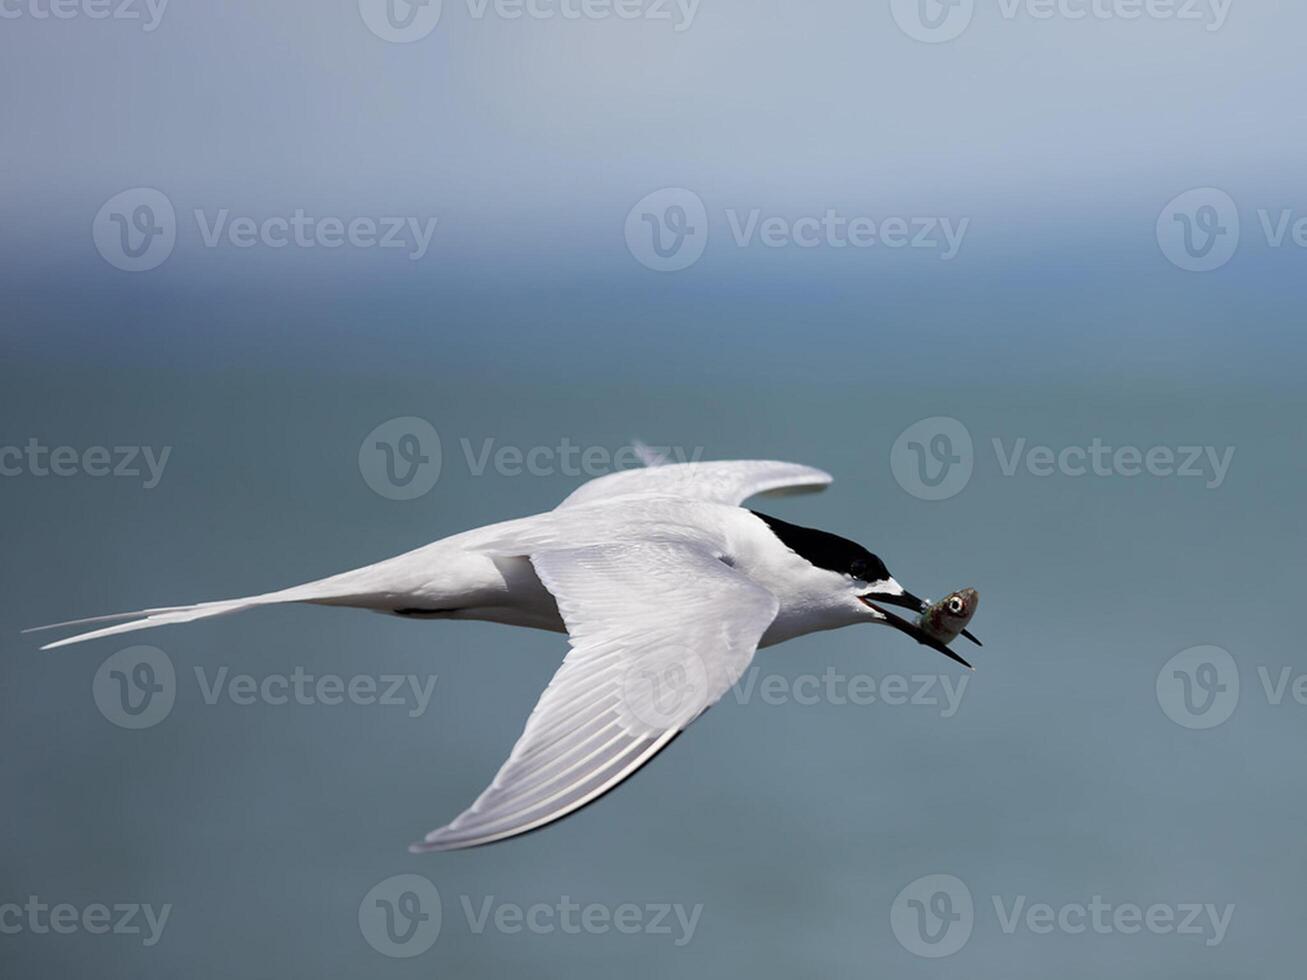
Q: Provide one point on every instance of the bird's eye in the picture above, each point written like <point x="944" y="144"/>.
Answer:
<point x="956" y="606"/>
<point x="858" y="569"/>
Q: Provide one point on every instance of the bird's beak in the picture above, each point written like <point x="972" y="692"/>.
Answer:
<point x="909" y="601"/>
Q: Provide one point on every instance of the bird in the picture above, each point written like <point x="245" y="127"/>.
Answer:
<point x="666" y="586"/>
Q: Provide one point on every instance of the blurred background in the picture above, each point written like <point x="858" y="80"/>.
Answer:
<point x="942" y="250"/>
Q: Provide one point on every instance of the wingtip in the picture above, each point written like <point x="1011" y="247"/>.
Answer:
<point x="427" y="845"/>
<point x="646" y="454"/>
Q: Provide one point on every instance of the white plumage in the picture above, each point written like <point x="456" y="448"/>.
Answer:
<point x="665" y="586"/>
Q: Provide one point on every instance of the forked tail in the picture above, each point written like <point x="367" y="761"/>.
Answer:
<point x="372" y="587"/>
<point x="146" y="618"/>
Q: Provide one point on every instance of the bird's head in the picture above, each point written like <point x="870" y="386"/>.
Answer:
<point x="862" y="582"/>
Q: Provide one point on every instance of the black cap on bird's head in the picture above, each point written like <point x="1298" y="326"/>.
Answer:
<point x="837" y="554"/>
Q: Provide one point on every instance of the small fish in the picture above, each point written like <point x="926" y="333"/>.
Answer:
<point x="948" y="617"/>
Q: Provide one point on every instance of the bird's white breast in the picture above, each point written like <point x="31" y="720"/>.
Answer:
<point x="811" y="598"/>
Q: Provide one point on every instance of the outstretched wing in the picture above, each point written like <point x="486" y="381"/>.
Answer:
<point x="659" y="632"/>
<point x="730" y="482"/>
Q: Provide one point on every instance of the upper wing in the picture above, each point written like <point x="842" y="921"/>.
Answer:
<point x="730" y="482"/>
<point x="659" y="632"/>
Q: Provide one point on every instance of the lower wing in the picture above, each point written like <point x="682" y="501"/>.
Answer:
<point x="659" y="632"/>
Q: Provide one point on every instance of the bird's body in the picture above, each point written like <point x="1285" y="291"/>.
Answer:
<point x="465" y="576"/>
<point x="666" y="587"/>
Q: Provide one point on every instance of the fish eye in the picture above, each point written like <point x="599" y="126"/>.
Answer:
<point x="956" y="606"/>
